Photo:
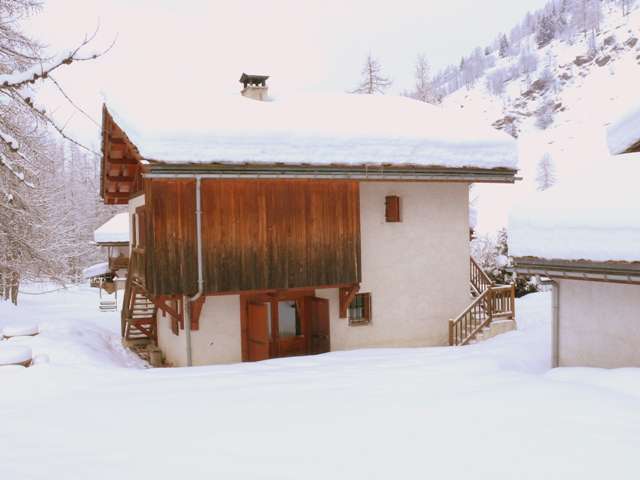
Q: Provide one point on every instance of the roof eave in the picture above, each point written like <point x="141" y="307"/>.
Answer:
<point x="333" y="171"/>
<point x="611" y="271"/>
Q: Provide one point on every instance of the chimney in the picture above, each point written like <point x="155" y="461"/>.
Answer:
<point x="255" y="87"/>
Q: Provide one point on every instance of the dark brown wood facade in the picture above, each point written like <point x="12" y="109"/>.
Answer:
<point x="257" y="234"/>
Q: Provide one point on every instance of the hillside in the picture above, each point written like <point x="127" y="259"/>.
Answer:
<point x="561" y="107"/>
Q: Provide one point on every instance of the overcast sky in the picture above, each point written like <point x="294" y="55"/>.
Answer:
<point x="181" y="50"/>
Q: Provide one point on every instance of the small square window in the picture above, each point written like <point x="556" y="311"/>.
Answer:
<point x="360" y="309"/>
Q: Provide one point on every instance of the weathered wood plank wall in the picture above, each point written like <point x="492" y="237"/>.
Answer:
<point x="171" y="266"/>
<point x="257" y="234"/>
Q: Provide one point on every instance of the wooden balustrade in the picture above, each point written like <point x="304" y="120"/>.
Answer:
<point x="479" y="279"/>
<point x="494" y="302"/>
<point x="503" y="301"/>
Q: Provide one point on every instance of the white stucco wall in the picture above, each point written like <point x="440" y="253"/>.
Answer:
<point x="417" y="271"/>
<point x="218" y="339"/>
<point x="599" y="324"/>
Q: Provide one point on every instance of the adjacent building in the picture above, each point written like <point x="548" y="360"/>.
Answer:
<point x="584" y="234"/>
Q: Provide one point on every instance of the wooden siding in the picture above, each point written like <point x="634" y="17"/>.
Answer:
<point x="257" y="234"/>
<point x="171" y="265"/>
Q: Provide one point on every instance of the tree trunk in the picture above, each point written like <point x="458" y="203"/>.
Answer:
<point x="15" y="284"/>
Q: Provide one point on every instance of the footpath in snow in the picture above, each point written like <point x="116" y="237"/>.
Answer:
<point x="487" y="411"/>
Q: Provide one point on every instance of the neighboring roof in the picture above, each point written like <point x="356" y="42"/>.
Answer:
<point x="116" y="230"/>
<point x="321" y="130"/>
<point x="594" y="218"/>
<point x="95" y="270"/>
<point x="623" y="136"/>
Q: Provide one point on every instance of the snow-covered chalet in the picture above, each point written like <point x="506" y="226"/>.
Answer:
<point x="268" y="227"/>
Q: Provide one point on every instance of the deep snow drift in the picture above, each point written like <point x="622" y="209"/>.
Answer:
<point x="487" y="411"/>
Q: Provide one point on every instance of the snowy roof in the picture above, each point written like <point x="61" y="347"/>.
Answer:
<point x="321" y="129"/>
<point x="95" y="270"/>
<point x="114" y="231"/>
<point x="594" y="218"/>
<point x="625" y="132"/>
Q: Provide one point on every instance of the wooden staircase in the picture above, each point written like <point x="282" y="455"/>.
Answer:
<point x="139" y="312"/>
<point x="490" y="303"/>
<point x="140" y="324"/>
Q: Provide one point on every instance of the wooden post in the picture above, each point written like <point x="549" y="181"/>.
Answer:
<point x="513" y="301"/>
<point x="451" y="325"/>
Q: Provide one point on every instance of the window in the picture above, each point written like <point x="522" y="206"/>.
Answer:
<point x="360" y="309"/>
<point x="392" y="208"/>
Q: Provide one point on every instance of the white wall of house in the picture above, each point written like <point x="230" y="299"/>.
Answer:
<point x="217" y="340"/>
<point x="417" y="270"/>
<point x="599" y="324"/>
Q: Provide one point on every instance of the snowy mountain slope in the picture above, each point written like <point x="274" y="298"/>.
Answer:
<point x="583" y="91"/>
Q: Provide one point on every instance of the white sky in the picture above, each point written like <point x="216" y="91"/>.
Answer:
<point x="167" y="49"/>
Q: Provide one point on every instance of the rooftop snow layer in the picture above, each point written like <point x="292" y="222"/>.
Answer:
<point x="95" y="270"/>
<point x="115" y="230"/>
<point x="595" y="217"/>
<point x="316" y="129"/>
<point x="625" y="132"/>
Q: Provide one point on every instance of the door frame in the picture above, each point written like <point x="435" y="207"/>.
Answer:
<point x="272" y="297"/>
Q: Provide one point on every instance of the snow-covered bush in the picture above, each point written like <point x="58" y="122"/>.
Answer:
<point x="492" y="254"/>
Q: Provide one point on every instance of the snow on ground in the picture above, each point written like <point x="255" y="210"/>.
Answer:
<point x="320" y="129"/>
<point x="73" y="332"/>
<point x="487" y="411"/>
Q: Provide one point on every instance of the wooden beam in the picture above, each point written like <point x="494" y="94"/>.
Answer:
<point x="123" y="161"/>
<point x="124" y="195"/>
<point x="120" y="178"/>
<point x="346" y="297"/>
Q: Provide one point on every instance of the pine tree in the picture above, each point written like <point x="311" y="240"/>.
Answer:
<point x="545" y="176"/>
<point x="546" y="31"/>
<point x="372" y="79"/>
<point x="503" y="48"/>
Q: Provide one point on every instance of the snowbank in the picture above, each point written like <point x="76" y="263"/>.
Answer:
<point x="72" y="330"/>
<point x="11" y="354"/>
<point x="19" y="330"/>
<point x="594" y="217"/>
<point x="625" y="132"/>
<point x="115" y="230"/>
<point x="326" y="129"/>
<point x="95" y="270"/>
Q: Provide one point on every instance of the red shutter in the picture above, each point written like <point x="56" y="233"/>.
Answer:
<point x="392" y="208"/>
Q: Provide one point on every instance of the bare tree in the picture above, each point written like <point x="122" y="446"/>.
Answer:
<point x="423" y="89"/>
<point x="27" y="176"/>
<point x="372" y="79"/>
<point x="545" y="176"/>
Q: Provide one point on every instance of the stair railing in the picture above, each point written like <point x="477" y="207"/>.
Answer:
<point x="493" y="303"/>
<point x="472" y="320"/>
<point x="479" y="279"/>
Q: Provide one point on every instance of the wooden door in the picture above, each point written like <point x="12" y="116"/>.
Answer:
<point x="258" y="331"/>
<point x="318" y="309"/>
